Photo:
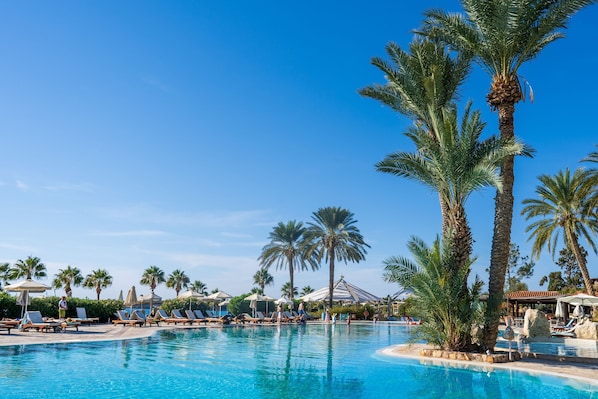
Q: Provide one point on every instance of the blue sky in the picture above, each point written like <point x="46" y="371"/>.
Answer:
<point x="178" y="134"/>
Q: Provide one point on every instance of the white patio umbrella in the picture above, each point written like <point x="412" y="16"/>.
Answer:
<point x="25" y="287"/>
<point x="342" y="292"/>
<point x="259" y="298"/>
<point x="283" y="300"/>
<point x="580" y="299"/>
<point x="218" y="296"/>
<point x="151" y="299"/>
<point x="120" y="295"/>
<point x="190" y="294"/>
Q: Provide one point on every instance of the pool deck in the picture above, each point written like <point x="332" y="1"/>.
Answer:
<point x="109" y="332"/>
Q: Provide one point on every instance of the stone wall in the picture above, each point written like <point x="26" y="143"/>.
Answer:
<point x="466" y="356"/>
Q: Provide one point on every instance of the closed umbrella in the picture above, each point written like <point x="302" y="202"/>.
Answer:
<point x="120" y="295"/>
<point x="558" y="312"/>
<point x="131" y="298"/>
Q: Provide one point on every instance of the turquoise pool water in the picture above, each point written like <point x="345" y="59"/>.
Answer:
<point x="290" y="361"/>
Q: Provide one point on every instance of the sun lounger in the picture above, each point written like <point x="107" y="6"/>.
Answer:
<point x="139" y="315"/>
<point x="6" y="327"/>
<point x="212" y="318"/>
<point x="288" y="317"/>
<point x="194" y="319"/>
<point x="83" y="319"/>
<point x="125" y="320"/>
<point x="176" y="314"/>
<point x="33" y="319"/>
<point x="10" y="322"/>
<point x="249" y="318"/>
<point x="163" y="316"/>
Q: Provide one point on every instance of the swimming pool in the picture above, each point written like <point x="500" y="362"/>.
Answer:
<point x="288" y="361"/>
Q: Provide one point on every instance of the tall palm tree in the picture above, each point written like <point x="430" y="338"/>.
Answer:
<point x="32" y="267"/>
<point x="306" y="290"/>
<point x="426" y="79"/>
<point x="502" y="35"/>
<point x="152" y="276"/>
<point x="4" y="272"/>
<point x="67" y="278"/>
<point x="287" y="249"/>
<point x="98" y="279"/>
<point x="593" y="176"/>
<point x="420" y="84"/>
<point x="177" y="280"/>
<point x="333" y="236"/>
<point x="262" y="278"/>
<point x="454" y="162"/>
<point x="199" y="287"/>
<point x="562" y="206"/>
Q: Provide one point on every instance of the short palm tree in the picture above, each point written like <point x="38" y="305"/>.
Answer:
<point x="287" y="249"/>
<point x="199" y="287"/>
<point x="152" y="276"/>
<point x="67" y="278"/>
<point x="333" y="235"/>
<point x="32" y="267"/>
<point x="262" y="278"/>
<point x="286" y="290"/>
<point x="448" y="314"/>
<point x="98" y="279"/>
<point x="562" y="207"/>
<point x="177" y="280"/>
<point x="306" y="290"/>
<point x="502" y="35"/>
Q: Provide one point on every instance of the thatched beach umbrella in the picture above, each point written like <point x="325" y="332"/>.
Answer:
<point x="131" y="299"/>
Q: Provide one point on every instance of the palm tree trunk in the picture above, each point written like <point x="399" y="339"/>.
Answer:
<point x="581" y="261"/>
<point x="291" y="276"/>
<point x="98" y="290"/>
<point x="501" y="239"/>
<point x="331" y="280"/>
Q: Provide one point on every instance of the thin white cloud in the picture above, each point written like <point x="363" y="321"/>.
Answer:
<point x="134" y="233"/>
<point x="85" y="187"/>
<point x="21" y="185"/>
<point x="153" y="82"/>
<point x="222" y="219"/>
<point x="20" y="248"/>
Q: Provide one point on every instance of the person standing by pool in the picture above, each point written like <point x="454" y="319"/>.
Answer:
<point x="279" y="311"/>
<point x="62" y="307"/>
<point x="301" y="312"/>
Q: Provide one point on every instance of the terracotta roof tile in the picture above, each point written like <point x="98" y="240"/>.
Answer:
<point x="531" y="294"/>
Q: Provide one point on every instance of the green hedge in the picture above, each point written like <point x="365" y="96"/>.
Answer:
<point x="104" y="309"/>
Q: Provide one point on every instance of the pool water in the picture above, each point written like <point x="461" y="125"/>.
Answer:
<point x="288" y="361"/>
